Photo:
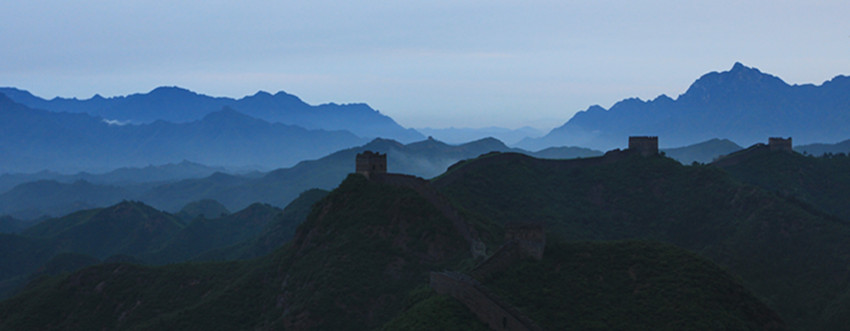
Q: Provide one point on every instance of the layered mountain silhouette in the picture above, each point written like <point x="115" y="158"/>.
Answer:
<point x="361" y="260"/>
<point x="742" y="104"/>
<point x="178" y="105"/>
<point x="34" y="140"/>
<point x="786" y="249"/>
<point x="120" y="176"/>
<point x="134" y="232"/>
<point x="427" y="158"/>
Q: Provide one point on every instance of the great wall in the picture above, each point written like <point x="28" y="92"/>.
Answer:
<point x="522" y="240"/>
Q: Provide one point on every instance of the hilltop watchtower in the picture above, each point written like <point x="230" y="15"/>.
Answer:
<point x="644" y="145"/>
<point x="779" y="144"/>
<point x="369" y="162"/>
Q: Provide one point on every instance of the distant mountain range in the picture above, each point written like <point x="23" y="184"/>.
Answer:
<point x="742" y="104"/>
<point x="178" y="105"/>
<point x="33" y="140"/>
<point x="171" y="187"/>
<point x="462" y="135"/>
<point x="121" y="176"/>
<point x="427" y="158"/>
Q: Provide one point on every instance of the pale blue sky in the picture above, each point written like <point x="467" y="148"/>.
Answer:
<point x="425" y="63"/>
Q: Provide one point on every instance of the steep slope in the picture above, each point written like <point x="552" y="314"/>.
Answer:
<point x="174" y="104"/>
<point x="742" y="104"/>
<point x="641" y="285"/>
<point x="609" y="286"/>
<point x="784" y="252"/>
<point x="202" y="235"/>
<point x="350" y="266"/>
<point x="823" y="182"/>
<point x="128" y="228"/>
<point x="426" y="158"/>
<point x="278" y="232"/>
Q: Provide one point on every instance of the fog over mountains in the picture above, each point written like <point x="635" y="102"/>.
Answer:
<point x="265" y="131"/>
<point x="178" y="105"/>
<point x="36" y="140"/>
<point x="742" y="104"/>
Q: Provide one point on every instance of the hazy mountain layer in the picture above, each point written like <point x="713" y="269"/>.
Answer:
<point x="461" y="135"/>
<point x="842" y="147"/>
<point x="121" y="176"/>
<point x="34" y="140"/>
<point x="743" y="105"/>
<point x="178" y="105"/>
<point x="426" y="159"/>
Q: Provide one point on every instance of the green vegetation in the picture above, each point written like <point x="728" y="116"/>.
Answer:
<point x="630" y="286"/>
<point x="822" y="182"/>
<point x="788" y="255"/>
<point x="362" y="257"/>
<point x="436" y="312"/>
<point x="363" y="247"/>
<point x="202" y="235"/>
<point x="278" y="232"/>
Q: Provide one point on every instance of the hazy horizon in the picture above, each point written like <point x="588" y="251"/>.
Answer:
<point x="437" y="64"/>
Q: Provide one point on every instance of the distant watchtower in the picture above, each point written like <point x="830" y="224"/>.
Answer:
<point x="644" y="145"/>
<point x="369" y="162"/>
<point x="779" y="144"/>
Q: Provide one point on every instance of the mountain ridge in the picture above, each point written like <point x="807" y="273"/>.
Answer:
<point x="179" y="105"/>
<point x="38" y="139"/>
<point x="742" y="104"/>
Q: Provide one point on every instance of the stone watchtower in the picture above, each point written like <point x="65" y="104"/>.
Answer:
<point x="644" y="145"/>
<point x="369" y="162"/>
<point x="779" y="144"/>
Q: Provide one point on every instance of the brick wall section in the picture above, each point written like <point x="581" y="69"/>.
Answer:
<point x="488" y="307"/>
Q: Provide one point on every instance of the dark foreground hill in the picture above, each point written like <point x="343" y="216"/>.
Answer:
<point x="609" y="286"/>
<point x="360" y="259"/>
<point x="349" y="266"/>
<point x="791" y="255"/>
<point x="823" y="182"/>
